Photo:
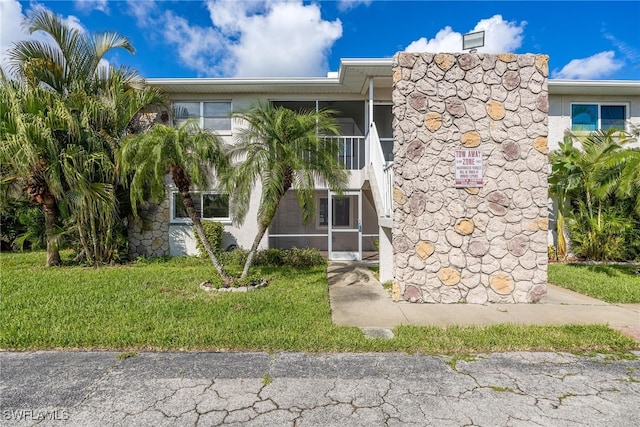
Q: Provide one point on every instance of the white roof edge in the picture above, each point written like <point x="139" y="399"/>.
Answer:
<point x="344" y="64"/>
<point x="558" y="86"/>
<point x="568" y="82"/>
<point x="238" y="80"/>
<point x="594" y="87"/>
<point x="587" y="83"/>
<point x="366" y="61"/>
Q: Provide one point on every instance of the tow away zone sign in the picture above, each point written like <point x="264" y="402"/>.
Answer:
<point x="468" y="168"/>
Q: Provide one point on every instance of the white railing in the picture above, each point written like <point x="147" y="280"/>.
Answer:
<point x="351" y="151"/>
<point x="387" y="189"/>
<point x="382" y="171"/>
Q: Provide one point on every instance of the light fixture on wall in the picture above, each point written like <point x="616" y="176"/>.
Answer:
<point x="473" y="41"/>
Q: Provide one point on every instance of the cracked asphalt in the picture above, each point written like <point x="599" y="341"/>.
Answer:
<point x="303" y="389"/>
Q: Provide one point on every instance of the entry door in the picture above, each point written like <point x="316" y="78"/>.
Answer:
<point x="345" y="226"/>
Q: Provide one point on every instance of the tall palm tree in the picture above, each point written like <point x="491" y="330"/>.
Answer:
<point x="189" y="154"/>
<point x="73" y="62"/>
<point x="284" y="150"/>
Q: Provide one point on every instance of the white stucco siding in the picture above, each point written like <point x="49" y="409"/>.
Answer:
<point x="182" y="239"/>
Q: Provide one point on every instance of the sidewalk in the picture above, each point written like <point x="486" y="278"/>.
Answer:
<point x="358" y="299"/>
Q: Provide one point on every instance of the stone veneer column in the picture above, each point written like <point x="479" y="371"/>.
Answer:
<point x="473" y="245"/>
<point x="149" y="234"/>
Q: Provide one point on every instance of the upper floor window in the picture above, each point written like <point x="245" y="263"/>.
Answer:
<point x="209" y="205"/>
<point x="215" y="115"/>
<point x="591" y="117"/>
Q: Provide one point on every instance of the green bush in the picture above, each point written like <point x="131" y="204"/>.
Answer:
<point x="271" y="257"/>
<point x="22" y="226"/>
<point x="235" y="258"/>
<point x="213" y="231"/>
<point x="304" y="258"/>
<point x="295" y="257"/>
<point x="603" y="237"/>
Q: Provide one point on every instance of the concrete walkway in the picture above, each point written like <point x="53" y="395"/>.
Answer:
<point x="358" y="299"/>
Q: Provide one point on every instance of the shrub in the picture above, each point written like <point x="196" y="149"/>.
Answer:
<point x="213" y="231"/>
<point x="271" y="257"/>
<point x="235" y="258"/>
<point x="296" y="258"/>
<point x="22" y="226"/>
<point x="601" y="237"/>
<point x="304" y="258"/>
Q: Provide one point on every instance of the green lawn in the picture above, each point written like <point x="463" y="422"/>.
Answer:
<point x="610" y="283"/>
<point x="159" y="306"/>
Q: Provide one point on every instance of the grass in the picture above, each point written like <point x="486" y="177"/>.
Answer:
<point x="610" y="283"/>
<point x="158" y="306"/>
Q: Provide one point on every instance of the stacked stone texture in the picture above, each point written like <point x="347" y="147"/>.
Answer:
<point x="149" y="234"/>
<point x="473" y="245"/>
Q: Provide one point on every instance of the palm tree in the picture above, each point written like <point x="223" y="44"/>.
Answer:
<point x="618" y="174"/>
<point x="103" y="102"/>
<point x="72" y="63"/>
<point x="284" y="150"/>
<point x="43" y="150"/>
<point x="28" y="152"/>
<point x="188" y="153"/>
<point x="584" y="179"/>
<point x="564" y="179"/>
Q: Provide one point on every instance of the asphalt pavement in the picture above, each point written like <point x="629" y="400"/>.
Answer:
<point x="300" y="389"/>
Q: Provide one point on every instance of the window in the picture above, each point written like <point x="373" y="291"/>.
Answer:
<point x="340" y="212"/>
<point x="209" y="205"/>
<point x="590" y="117"/>
<point x="215" y="115"/>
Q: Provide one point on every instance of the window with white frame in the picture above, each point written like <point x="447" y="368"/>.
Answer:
<point x="588" y="117"/>
<point x="209" y="205"/>
<point x="214" y="115"/>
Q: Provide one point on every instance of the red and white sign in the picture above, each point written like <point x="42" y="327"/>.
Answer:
<point x="468" y="168"/>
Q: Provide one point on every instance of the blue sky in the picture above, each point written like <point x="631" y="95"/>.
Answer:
<point x="584" y="39"/>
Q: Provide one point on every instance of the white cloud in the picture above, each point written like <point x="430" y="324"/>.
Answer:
<point x="289" y="40"/>
<point x="257" y="38"/>
<point x="74" y="23"/>
<point x="344" y="5"/>
<point x="594" y="67"/>
<point x="198" y="47"/>
<point x="446" y="40"/>
<point x="87" y="5"/>
<point x="631" y="53"/>
<point x="10" y="28"/>
<point x="500" y="37"/>
<point x="145" y="12"/>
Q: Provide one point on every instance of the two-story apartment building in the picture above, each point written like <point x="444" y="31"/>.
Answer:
<point x="358" y="224"/>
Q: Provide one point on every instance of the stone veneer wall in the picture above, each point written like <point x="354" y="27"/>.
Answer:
<point x="149" y="234"/>
<point x="473" y="245"/>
